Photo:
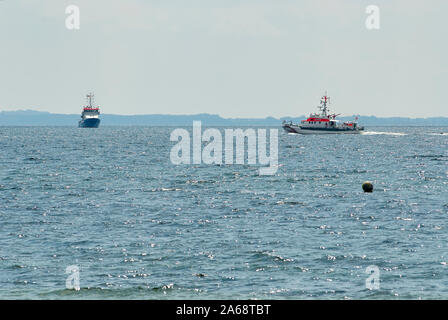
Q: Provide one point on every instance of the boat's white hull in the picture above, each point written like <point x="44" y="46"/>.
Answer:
<point x="297" y="129"/>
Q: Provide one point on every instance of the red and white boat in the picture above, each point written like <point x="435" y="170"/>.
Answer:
<point x="323" y="122"/>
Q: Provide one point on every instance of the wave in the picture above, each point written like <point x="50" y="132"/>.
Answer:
<point x="292" y="203"/>
<point x="270" y="257"/>
<point x="136" y="292"/>
<point x="439" y="134"/>
<point x="386" y="133"/>
<point x="432" y="156"/>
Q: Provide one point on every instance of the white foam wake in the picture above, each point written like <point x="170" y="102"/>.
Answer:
<point x="387" y="133"/>
<point x="439" y="134"/>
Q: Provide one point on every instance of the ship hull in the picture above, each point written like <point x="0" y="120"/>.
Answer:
<point x="89" y="123"/>
<point x="297" y="129"/>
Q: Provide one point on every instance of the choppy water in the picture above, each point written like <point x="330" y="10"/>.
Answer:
<point x="138" y="227"/>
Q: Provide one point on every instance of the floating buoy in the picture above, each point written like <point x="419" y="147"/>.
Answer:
<point x="367" y="186"/>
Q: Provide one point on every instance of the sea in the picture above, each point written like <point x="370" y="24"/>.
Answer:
<point x="105" y="214"/>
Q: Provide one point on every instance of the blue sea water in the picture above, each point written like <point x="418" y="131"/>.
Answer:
<point x="110" y="201"/>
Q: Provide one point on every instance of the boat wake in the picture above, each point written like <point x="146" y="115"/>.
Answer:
<point x="386" y="133"/>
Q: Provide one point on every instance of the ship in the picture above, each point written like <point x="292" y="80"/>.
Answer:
<point x="90" y="116"/>
<point x="323" y="122"/>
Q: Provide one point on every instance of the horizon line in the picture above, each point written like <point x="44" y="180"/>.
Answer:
<point x="211" y="114"/>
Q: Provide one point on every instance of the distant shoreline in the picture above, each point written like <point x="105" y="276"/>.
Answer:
<point x="38" y="118"/>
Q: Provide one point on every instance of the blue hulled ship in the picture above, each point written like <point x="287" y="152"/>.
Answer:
<point x="90" y="116"/>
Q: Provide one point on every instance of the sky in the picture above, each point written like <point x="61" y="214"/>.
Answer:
<point x="237" y="59"/>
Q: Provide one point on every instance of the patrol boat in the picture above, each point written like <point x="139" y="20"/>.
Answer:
<point x="90" y="114"/>
<point x="323" y="122"/>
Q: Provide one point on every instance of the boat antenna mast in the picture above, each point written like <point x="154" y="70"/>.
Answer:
<point x="90" y="97"/>
<point x="323" y="104"/>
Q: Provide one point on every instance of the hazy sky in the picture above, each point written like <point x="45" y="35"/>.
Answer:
<point x="253" y="58"/>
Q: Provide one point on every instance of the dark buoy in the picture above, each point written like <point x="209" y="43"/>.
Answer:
<point x="367" y="186"/>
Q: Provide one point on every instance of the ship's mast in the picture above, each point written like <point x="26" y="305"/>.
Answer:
<point x="323" y="104"/>
<point x="90" y="97"/>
